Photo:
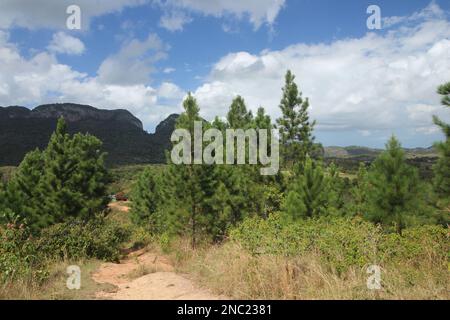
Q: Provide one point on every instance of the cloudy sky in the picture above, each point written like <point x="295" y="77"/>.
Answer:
<point x="144" y="55"/>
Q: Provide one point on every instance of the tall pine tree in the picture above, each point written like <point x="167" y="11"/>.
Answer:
<point x="192" y="185"/>
<point x="394" y="188"/>
<point x="297" y="141"/>
<point x="146" y="200"/>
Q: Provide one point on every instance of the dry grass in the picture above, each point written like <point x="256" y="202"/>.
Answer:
<point x="54" y="288"/>
<point x="231" y="271"/>
<point x="143" y="270"/>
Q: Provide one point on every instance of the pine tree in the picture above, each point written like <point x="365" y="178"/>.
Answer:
<point x="442" y="167"/>
<point x="68" y="179"/>
<point x="358" y="204"/>
<point x="394" y="188"/>
<point x="146" y="200"/>
<point x="22" y="194"/>
<point x="262" y="120"/>
<point x="219" y="124"/>
<point x="335" y="189"/>
<point x="308" y="195"/>
<point x="192" y="185"/>
<point x="75" y="179"/>
<point x="238" y="117"/>
<point x="90" y="177"/>
<point x="295" y="126"/>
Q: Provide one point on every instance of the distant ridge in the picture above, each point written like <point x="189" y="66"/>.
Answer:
<point x="357" y="151"/>
<point x="123" y="136"/>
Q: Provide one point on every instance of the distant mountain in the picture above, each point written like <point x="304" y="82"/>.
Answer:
<point x="123" y="136"/>
<point x="365" y="152"/>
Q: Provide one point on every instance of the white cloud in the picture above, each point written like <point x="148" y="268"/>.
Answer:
<point x="169" y="70"/>
<point x="174" y="21"/>
<point x="168" y="90"/>
<point x="64" y="43"/>
<point x="258" y="12"/>
<point x="432" y="11"/>
<point x="133" y="64"/>
<point x="52" y="14"/>
<point x="370" y="84"/>
<point x="42" y="79"/>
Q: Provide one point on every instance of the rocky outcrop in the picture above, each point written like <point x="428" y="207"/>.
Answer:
<point x="122" y="134"/>
<point x="71" y="113"/>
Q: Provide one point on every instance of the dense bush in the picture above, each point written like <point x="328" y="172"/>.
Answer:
<point x="19" y="254"/>
<point x="97" y="238"/>
<point x="341" y="242"/>
<point x="22" y="255"/>
<point x="416" y="245"/>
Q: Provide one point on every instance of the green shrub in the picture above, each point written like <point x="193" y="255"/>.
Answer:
<point x="19" y="255"/>
<point x="416" y="245"/>
<point x="97" y="238"/>
<point x="24" y="256"/>
<point x="342" y="242"/>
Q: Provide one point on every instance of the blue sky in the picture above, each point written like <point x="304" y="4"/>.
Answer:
<point x="143" y="55"/>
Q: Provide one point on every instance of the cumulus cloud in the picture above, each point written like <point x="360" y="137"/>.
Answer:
<point x="133" y="64"/>
<point x="379" y="82"/>
<point x="64" y="43"/>
<point x="168" y="90"/>
<point x="43" y="79"/>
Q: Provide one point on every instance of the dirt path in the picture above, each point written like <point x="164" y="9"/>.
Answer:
<point x="120" y="206"/>
<point x="147" y="276"/>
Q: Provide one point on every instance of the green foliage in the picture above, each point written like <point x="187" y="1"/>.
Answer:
<point x="442" y="167"/>
<point x="262" y="120"/>
<point x="191" y="186"/>
<point x="23" y="194"/>
<point x="394" y="191"/>
<point x="146" y="199"/>
<point x="75" y="179"/>
<point x="341" y="242"/>
<point x="336" y="190"/>
<point x="295" y="127"/>
<point x="24" y="256"/>
<point x="357" y="204"/>
<point x="444" y="91"/>
<point x="308" y="195"/>
<point x="205" y="201"/>
<point x="77" y="239"/>
<point x="200" y="200"/>
<point x="19" y="255"/>
<point x="238" y="117"/>
<point x="416" y="244"/>
<point x="68" y="179"/>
